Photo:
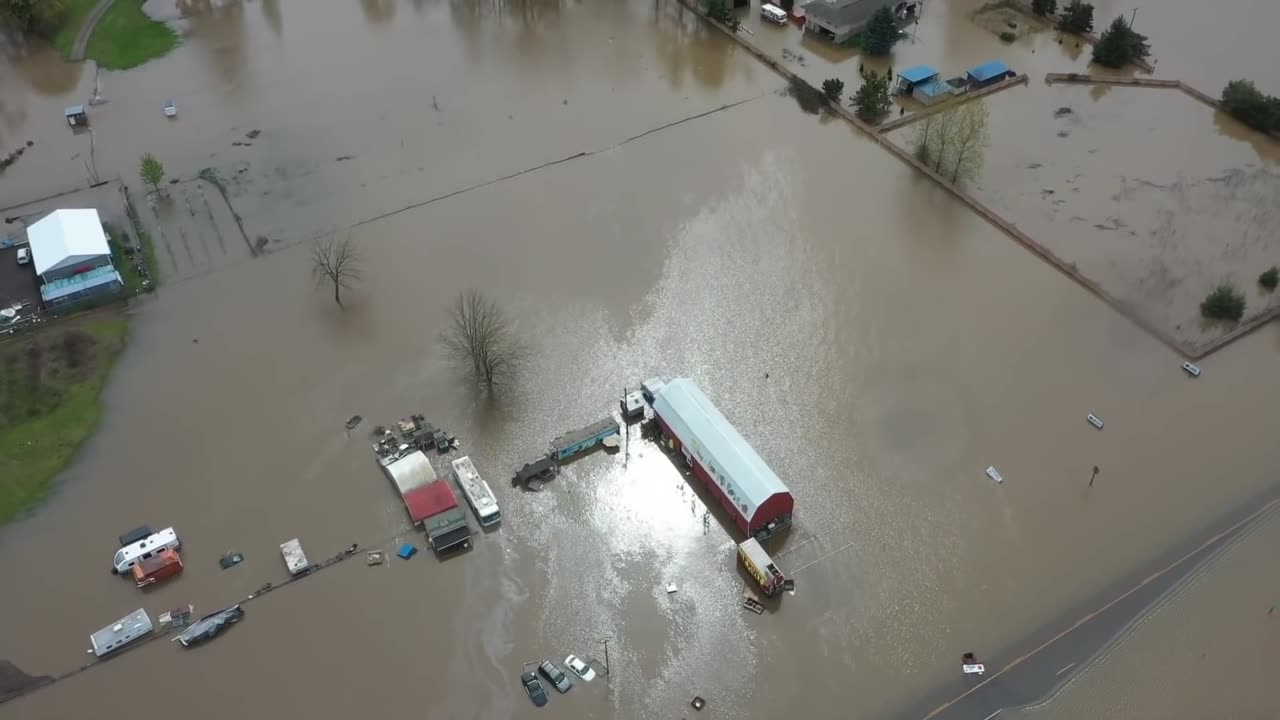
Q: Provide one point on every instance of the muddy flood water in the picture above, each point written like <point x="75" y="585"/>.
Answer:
<point x="876" y="342"/>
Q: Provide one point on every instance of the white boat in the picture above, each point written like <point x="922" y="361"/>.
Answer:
<point x="1095" y="421"/>
<point x="294" y="558"/>
<point x="120" y="633"/>
<point x="994" y="474"/>
<point x="1192" y="370"/>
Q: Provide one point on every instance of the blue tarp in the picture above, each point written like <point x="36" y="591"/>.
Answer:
<point x="917" y="74"/>
<point x="988" y="70"/>
<point x="406" y="551"/>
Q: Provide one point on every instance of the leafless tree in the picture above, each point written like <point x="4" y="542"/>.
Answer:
<point x="481" y="339"/>
<point x="336" y="261"/>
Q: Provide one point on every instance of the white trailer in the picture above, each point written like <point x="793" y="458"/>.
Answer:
<point x="294" y="558"/>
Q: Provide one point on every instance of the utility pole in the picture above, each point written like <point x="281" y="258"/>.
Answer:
<point x="606" y="656"/>
<point x="1094" y="475"/>
<point x="1133" y="17"/>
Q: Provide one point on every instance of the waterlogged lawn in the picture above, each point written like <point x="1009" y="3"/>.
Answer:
<point x="50" y="383"/>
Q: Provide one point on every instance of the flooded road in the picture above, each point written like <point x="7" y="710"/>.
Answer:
<point x="908" y="345"/>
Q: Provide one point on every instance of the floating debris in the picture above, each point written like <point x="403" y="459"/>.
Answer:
<point x="994" y="474"/>
<point x="671" y="588"/>
<point x="210" y="626"/>
<point x="406" y="551"/>
<point x="1095" y="421"/>
<point x="1192" y="370"/>
<point x="176" y="618"/>
<point x="374" y="557"/>
<point x="698" y="703"/>
<point x="353" y="421"/>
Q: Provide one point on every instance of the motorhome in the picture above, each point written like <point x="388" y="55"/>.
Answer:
<point x="144" y="549"/>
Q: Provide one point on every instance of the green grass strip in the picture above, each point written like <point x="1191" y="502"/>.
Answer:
<point x="126" y="37"/>
<point x="49" y="404"/>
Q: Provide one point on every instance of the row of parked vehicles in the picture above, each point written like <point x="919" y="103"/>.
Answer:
<point x="555" y="676"/>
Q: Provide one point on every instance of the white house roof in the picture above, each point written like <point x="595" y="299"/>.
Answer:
<point x="733" y="464"/>
<point x="65" y="238"/>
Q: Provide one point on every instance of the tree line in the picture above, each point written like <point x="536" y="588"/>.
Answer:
<point x="1246" y="103"/>
<point x="32" y="15"/>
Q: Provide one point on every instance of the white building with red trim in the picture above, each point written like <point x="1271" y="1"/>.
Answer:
<point x="741" y="482"/>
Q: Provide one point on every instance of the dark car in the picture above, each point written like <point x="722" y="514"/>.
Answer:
<point x="554" y="676"/>
<point x="534" y="688"/>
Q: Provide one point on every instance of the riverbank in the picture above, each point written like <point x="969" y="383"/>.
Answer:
<point x="50" y="383"/>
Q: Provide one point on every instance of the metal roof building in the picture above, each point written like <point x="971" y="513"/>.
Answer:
<point x="430" y="499"/>
<point x="989" y="72"/>
<point x="410" y="472"/>
<point x="917" y="74"/>
<point x="64" y="239"/>
<point x="721" y="458"/>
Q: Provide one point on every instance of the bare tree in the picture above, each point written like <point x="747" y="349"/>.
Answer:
<point x="972" y="137"/>
<point x="481" y="339"/>
<point x="953" y="141"/>
<point x="336" y="261"/>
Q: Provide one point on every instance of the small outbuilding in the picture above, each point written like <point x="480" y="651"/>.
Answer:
<point x="70" y="253"/>
<point x="76" y="116"/>
<point x="988" y="73"/>
<point x="911" y="77"/>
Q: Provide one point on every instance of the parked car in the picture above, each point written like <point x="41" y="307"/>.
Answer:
<point x="24" y="256"/>
<point x="534" y="688"/>
<point x="553" y="674"/>
<point x="579" y="668"/>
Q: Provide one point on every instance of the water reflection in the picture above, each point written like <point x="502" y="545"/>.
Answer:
<point x="271" y="12"/>
<point x="378" y="12"/>
<point x="681" y="39"/>
<point x="40" y="66"/>
<point x="219" y="29"/>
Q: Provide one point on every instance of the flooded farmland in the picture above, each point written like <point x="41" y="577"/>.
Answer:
<point x="875" y="341"/>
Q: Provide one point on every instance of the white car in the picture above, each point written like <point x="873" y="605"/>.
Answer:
<point x="579" y="668"/>
<point x="24" y="256"/>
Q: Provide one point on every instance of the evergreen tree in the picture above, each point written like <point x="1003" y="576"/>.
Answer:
<point x="1120" y="45"/>
<point x="1077" y="17"/>
<point x="882" y="33"/>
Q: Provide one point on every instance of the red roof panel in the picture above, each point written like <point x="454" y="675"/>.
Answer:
<point x="427" y="500"/>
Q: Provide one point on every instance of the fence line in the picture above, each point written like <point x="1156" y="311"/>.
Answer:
<point x="1187" y="349"/>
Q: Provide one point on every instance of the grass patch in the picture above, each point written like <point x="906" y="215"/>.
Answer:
<point x="126" y="37"/>
<point x="50" y="383"/>
<point x="126" y="255"/>
<point x="74" y="17"/>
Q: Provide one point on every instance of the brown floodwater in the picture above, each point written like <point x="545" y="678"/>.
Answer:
<point x="908" y="345"/>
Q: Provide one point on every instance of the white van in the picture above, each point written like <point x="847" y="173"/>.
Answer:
<point x="773" y="13"/>
<point x="132" y="554"/>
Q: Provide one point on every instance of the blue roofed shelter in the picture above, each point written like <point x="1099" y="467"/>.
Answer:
<point x="988" y="73"/>
<point x="70" y="253"/>
<point x="912" y="76"/>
